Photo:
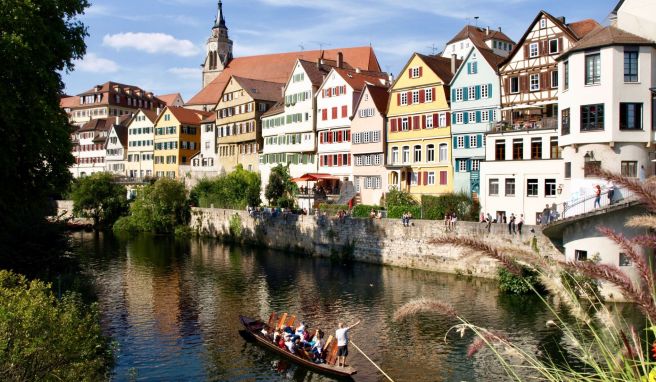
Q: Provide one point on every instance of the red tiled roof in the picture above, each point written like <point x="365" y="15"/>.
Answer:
<point x="168" y="99"/>
<point x="316" y="72"/>
<point x="583" y="27"/>
<point x="606" y="36"/>
<point x="261" y="90"/>
<point x="441" y="66"/>
<point x="479" y="33"/>
<point x="380" y="96"/>
<point x="278" y="108"/>
<point x="278" y="67"/>
<point x="493" y="59"/>
<point x="210" y="119"/>
<point x="189" y="116"/>
<point x="69" y="101"/>
<point x="358" y="81"/>
<point x="150" y="114"/>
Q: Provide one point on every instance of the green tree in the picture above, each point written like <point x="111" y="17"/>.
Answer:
<point x="396" y="197"/>
<point x="44" y="338"/>
<point x="158" y="208"/>
<point x="234" y="190"/>
<point x="100" y="198"/>
<point x="38" y="40"/>
<point x="281" y="190"/>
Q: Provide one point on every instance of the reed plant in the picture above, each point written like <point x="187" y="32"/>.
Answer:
<point x="602" y="344"/>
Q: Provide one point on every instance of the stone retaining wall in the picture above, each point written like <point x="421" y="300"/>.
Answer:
<point x="384" y="241"/>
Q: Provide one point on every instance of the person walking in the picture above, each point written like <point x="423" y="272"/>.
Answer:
<point x="511" y="224"/>
<point x="488" y="222"/>
<point x="546" y="214"/>
<point x="520" y="224"/>
<point x="611" y="192"/>
<point x="642" y="173"/>
<point x="597" y="201"/>
<point x="342" y="342"/>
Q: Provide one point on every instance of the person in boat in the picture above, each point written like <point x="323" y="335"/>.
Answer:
<point x="281" y="342"/>
<point x="276" y="336"/>
<point x="289" y="343"/>
<point x="318" y="344"/>
<point x="342" y="342"/>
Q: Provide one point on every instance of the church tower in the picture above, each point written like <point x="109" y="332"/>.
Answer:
<point x="219" y="49"/>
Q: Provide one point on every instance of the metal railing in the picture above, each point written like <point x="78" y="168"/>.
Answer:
<point x="544" y="123"/>
<point x="587" y="203"/>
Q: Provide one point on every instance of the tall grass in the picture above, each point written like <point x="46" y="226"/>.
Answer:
<point x="603" y="345"/>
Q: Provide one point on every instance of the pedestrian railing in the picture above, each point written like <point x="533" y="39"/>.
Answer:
<point x="586" y="203"/>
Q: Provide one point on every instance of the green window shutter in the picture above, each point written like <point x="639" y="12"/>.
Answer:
<point x="469" y="67"/>
<point x="469" y="165"/>
<point x="455" y="141"/>
<point x="466" y="141"/>
<point x="478" y="115"/>
<point x="453" y="95"/>
<point x="489" y="90"/>
<point x="465" y="94"/>
<point x="465" y="118"/>
<point x="478" y="91"/>
<point x="453" y="118"/>
<point x="479" y="140"/>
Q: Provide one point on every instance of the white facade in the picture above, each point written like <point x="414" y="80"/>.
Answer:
<point x="116" y="152"/>
<point x="141" y="134"/>
<point x="90" y="158"/>
<point x="205" y="164"/>
<point x="461" y="48"/>
<point x="637" y="17"/>
<point x="289" y="137"/>
<point x="606" y="116"/>
<point x="522" y="173"/>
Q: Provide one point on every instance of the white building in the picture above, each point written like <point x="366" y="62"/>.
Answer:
<point x="141" y="134"/>
<point x="89" y="145"/>
<point x="636" y="16"/>
<point x="606" y="108"/>
<point x="470" y="36"/>
<point x="522" y="173"/>
<point x="205" y="164"/>
<point x="336" y="99"/>
<point x="116" y="150"/>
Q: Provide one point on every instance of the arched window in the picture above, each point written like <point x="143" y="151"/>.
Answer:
<point x="443" y="152"/>
<point x="430" y="153"/>
<point x="417" y="153"/>
<point x="395" y="155"/>
<point x="406" y="154"/>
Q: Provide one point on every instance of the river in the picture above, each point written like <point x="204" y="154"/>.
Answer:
<point x="172" y="307"/>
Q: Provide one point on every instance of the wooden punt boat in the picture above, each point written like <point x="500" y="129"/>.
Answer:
<point x="254" y="332"/>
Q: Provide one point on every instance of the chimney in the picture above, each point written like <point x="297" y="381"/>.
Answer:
<point x="319" y="62"/>
<point x="158" y="110"/>
<point x="117" y="121"/>
<point x="391" y="78"/>
<point x="562" y="19"/>
<point x="487" y="31"/>
<point x="282" y="91"/>
<point x="358" y="70"/>
<point x="499" y="29"/>
<point x="340" y="60"/>
<point x="453" y="63"/>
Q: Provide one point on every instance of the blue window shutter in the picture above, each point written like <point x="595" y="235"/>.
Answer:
<point x="478" y="115"/>
<point x="489" y="90"/>
<point x="466" y="141"/>
<point x="469" y="68"/>
<point x="465" y="117"/>
<point x="453" y="118"/>
<point x="453" y="95"/>
<point x="478" y="91"/>
<point x="455" y="141"/>
<point x="465" y="94"/>
<point x="469" y="165"/>
<point x="475" y="67"/>
<point x="479" y="140"/>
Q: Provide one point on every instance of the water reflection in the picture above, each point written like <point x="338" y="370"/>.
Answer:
<point x="173" y="307"/>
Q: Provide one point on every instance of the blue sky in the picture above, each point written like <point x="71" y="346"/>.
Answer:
<point x="159" y="44"/>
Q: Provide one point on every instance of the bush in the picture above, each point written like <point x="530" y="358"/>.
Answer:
<point x="332" y="209"/>
<point x="400" y="198"/>
<point x="235" y="190"/>
<point x="235" y="226"/>
<point x="98" y="197"/>
<point x="280" y="187"/>
<point x="435" y="207"/>
<point x="524" y="284"/>
<point x="396" y="212"/>
<point x="363" y="210"/>
<point x="43" y="338"/>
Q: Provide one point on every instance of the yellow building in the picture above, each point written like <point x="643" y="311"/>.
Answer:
<point x="238" y="121"/>
<point x="419" y="127"/>
<point x="177" y="139"/>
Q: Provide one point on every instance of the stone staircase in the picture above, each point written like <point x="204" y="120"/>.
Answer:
<point x="346" y="193"/>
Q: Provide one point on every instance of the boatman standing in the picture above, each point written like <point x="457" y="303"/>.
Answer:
<point x="342" y="343"/>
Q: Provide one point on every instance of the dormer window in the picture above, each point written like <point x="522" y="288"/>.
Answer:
<point x="543" y="23"/>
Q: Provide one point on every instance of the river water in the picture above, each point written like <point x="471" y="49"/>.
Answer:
<point x="172" y="307"/>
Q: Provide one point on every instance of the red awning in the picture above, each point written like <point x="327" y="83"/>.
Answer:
<point x="314" y="178"/>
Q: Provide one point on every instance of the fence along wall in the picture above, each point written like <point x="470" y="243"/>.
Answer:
<point x="379" y="241"/>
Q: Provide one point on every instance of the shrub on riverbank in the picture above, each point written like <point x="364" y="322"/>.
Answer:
<point x="45" y="338"/>
<point x="280" y="190"/>
<point x="396" y="212"/>
<point x="332" y="209"/>
<point x="435" y="207"/>
<point x="97" y="196"/>
<point x="158" y="208"/>
<point x="396" y="197"/>
<point x="363" y="210"/>
<point x="236" y="190"/>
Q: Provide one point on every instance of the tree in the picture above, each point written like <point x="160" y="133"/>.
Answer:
<point x="45" y="338"/>
<point x="280" y="190"/>
<point x="238" y="189"/>
<point x="158" y="208"/>
<point x="100" y="198"/>
<point x="39" y="40"/>
<point x="400" y="198"/>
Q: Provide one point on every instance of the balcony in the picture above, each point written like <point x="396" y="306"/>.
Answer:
<point x="543" y="123"/>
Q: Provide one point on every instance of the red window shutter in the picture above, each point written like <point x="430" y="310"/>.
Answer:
<point x="560" y="45"/>
<point x="393" y="125"/>
<point x="330" y="160"/>
<point x="320" y="137"/>
<point x="339" y="136"/>
<point x="398" y="99"/>
<point x="409" y="98"/>
<point x="410" y="72"/>
<point x="324" y="114"/>
<point x="442" y="177"/>
<point x="448" y="119"/>
<point x="339" y="159"/>
<point x="348" y="156"/>
<point x="526" y="44"/>
<point x="544" y="80"/>
<point x="343" y="89"/>
<point x="422" y="96"/>
<point x="506" y="85"/>
<point x="416" y="122"/>
<point x="409" y="123"/>
<point x="423" y="121"/>
<point x="426" y="178"/>
<point x="421" y="71"/>
<point x="334" y="113"/>
<point x="344" y="111"/>
<point x="419" y="178"/>
<point x="436" y="120"/>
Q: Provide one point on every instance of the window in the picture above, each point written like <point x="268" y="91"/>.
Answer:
<point x="442" y="118"/>
<point x="494" y="187"/>
<point x="580" y="255"/>
<point x="475" y="164"/>
<point x="625" y="261"/>
<point x="376" y="136"/>
<point x="543" y="23"/>
<point x="406" y="154"/>
<point x="554" y="79"/>
<point x="550" y="187"/>
<point x="395" y="155"/>
<point x="554" y="149"/>
<point x="533" y="50"/>
<point x="631" y="63"/>
<point x="429" y="95"/>
<point x="485" y="91"/>
<point x="471" y="118"/>
<point x="500" y="149"/>
<point x="430" y="153"/>
<point x="630" y="116"/>
<point x="536" y="148"/>
<point x="568" y="170"/>
<point x="485" y="116"/>
<point x="592" y="69"/>
<point x="404" y="98"/>
<point x="514" y="85"/>
<point x="629" y="169"/>
<point x="510" y="186"/>
<point x="443" y="152"/>
<point x="566" y="75"/>
<point x="415" y="97"/>
<point x="404" y="124"/>
<point x="460" y="140"/>
<point x="564" y="122"/>
<point x="414" y="72"/>
<point x="553" y="46"/>
<point x="431" y="178"/>
<point x="518" y="149"/>
<point x="592" y="117"/>
<point x="429" y="121"/>
<point x="413" y="178"/>
<point x="471" y="93"/>
<point x="531" y="187"/>
<point x="459" y="94"/>
<point x="473" y="141"/>
<point x="534" y="82"/>
<point x="443" y="178"/>
<point x="417" y="153"/>
<point x="459" y="118"/>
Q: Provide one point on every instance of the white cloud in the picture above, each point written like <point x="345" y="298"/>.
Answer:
<point x="186" y="73"/>
<point x="151" y="43"/>
<point x="94" y="64"/>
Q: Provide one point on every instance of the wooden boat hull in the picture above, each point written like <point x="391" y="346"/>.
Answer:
<point x="253" y="328"/>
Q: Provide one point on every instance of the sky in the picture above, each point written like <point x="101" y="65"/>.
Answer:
<point x="159" y="45"/>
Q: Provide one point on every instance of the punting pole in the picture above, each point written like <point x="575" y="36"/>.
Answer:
<point x="372" y="362"/>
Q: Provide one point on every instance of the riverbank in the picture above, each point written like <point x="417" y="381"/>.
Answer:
<point x="377" y="241"/>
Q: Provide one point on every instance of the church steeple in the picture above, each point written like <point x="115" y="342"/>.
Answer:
<point x="219" y="48"/>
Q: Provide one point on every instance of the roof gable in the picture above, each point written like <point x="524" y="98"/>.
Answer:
<point x="379" y="96"/>
<point x="488" y="57"/>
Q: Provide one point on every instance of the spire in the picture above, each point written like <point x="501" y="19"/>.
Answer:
<point x="219" y="22"/>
